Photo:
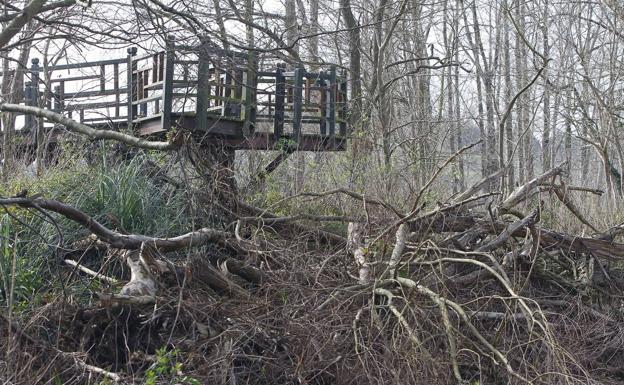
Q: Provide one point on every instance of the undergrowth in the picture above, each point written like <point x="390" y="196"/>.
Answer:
<point x="119" y="194"/>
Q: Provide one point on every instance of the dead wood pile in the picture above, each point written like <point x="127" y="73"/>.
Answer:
<point x="474" y="291"/>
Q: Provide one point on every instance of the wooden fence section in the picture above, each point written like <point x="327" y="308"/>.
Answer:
<point x="221" y="93"/>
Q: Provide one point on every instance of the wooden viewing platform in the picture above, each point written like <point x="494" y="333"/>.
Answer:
<point x="222" y="95"/>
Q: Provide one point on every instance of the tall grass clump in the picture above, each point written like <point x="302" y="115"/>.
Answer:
<point x="125" y="191"/>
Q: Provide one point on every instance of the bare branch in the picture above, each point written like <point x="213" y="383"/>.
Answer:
<point x="91" y="132"/>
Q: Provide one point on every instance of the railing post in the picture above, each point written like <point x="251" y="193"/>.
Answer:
<point x="28" y="100"/>
<point x="131" y="67"/>
<point x="57" y="104"/>
<point x="297" y="103"/>
<point x="34" y="78"/>
<point x="167" y="93"/>
<point x="203" y="89"/>
<point x="32" y="95"/>
<point x="331" y="119"/>
<point x="280" y="95"/>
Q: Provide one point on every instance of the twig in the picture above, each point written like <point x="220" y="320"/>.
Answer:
<point x="92" y="273"/>
<point x="94" y="369"/>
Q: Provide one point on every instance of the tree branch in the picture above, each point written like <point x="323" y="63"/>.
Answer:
<point x="89" y="131"/>
<point x="23" y="17"/>
<point x="115" y="239"/>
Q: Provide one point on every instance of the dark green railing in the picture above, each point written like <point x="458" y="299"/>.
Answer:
<point x="208" y="83"/>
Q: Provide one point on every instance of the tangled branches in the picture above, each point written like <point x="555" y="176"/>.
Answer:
<point x="463" y="293"/>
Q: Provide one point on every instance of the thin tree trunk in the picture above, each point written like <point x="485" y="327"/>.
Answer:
<point x="219" y="18"/>
<point x="546" y="161"/>
<point x="509" y="138"/>
<point x="15" y="95"/>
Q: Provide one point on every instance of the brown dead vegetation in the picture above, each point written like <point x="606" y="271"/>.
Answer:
<point x="473" y="291"/>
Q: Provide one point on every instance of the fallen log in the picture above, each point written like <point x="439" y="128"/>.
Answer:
<point x="548" y="239"/>
<point x="510" y="230"/>
<point x="325" y="236"/>
<point x="522" y="192"/>
<point x="203" y="271"/>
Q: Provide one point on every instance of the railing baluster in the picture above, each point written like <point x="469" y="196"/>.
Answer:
<point x="62" y="98"/>
<point x="102" y="78"/>
<point x="143" y="91"/>
<point x="155" y="67"/>
<point x="131" y="66"/>
<point x="161" y="66"/>
<point x="167" y="96"/>
<point x="116" y="87"/>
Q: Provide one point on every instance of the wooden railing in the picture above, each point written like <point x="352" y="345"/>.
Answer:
<point x="207" y="84"/>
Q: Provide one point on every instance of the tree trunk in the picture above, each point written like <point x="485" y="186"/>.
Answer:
<point x="508" y="135"/>
<point x="214" y="164"/>
<point x="14" y="95"/>
<point x="546" y="161"/>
